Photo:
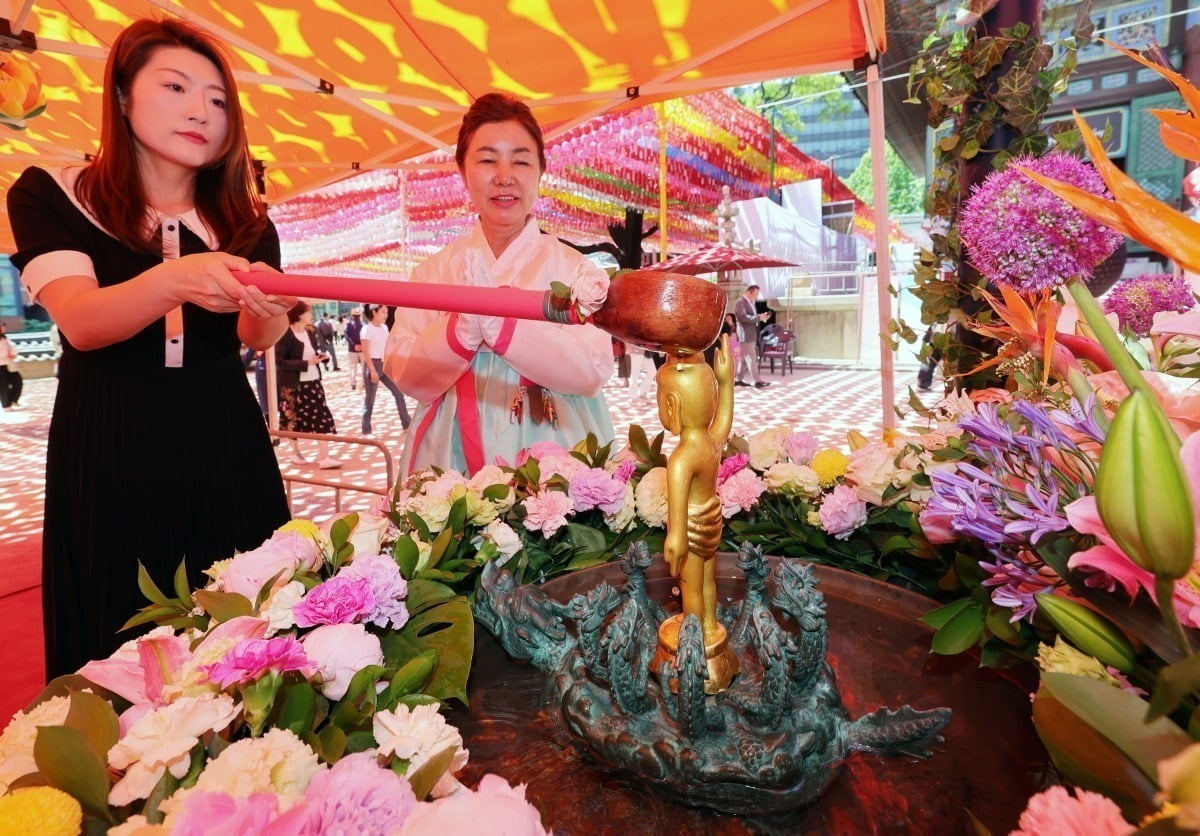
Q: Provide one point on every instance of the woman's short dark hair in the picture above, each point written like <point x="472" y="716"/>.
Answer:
<point x="298" y="310"/>
<point x="498" y="107"/>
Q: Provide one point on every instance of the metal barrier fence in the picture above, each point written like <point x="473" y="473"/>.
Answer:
<point x="337" y="485"/>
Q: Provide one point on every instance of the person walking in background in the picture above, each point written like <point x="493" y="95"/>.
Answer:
<point x="745" y="312"/>
<point x="325" y="337"/>
<point x="490" y="386"/>
<point x="302" y="404"/>
<point x="374" y="341"/>
<point x="154" y="420"/>
<point x="11" y="381"/>
<point x="925" y="375"/>
<point x="641" y="371"/>
<point x="339" y="329"/>
<point x="354" y="345"/>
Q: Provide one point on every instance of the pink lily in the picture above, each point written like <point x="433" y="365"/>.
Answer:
<point x="1180" y="397"/>
<point x="139" y="670"/>
<point x="1107" y="556"/>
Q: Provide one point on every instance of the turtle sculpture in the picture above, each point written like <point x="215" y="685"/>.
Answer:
<point x="772" y="742"/>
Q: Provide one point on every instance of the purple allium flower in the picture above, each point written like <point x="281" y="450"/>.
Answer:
<point x="250" y="659"/>
<point x="388" y="588"/>
<point x="595" y="487"/>
<point x="340" y="600"/>
<point x="1135" y="301"/>
<point x="358" y="796"/>
<point x="1022" y="235"/>
<point x="731" y="466"/>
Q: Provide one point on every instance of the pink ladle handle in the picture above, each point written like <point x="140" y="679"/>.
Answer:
<point x="489" y="301"/>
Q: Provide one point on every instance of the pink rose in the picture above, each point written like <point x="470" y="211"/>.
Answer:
<point x="740" y="492"/>
<point x="596" y="488"/>
<point x="936" y="526"/>
<point x="800" y="447"/>
<point x="285" y="554"/>
<point x="339" y="651"/>
<point x="589" y="291"/>
<point x="546" y="511"/>
<point x="871" y="470"/>
<point x="842" y="512"/>
<point x="340" y="600"/>
<point x="625" y="470"/>
<point x="501" y="806"/>
<point x="540" y="450"/>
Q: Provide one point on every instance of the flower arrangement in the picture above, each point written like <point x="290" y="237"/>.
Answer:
<point x="559" y="510"/>
<point x="1074" y="513"/>
<point x="297" y="692"/>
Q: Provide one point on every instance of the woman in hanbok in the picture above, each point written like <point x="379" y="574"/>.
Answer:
<point x="487" y="386"/>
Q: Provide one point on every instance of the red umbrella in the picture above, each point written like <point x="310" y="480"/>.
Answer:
<point x="718" y="258"/>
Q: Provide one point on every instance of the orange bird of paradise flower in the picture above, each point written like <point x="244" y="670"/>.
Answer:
<point x="1031" y="323"/>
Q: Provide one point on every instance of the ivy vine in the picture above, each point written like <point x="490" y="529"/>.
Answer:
<point x="986" y="94"/>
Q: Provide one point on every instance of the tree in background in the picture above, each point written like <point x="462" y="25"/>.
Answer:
<point x="827" y="89"/>
<point x="906" y="194"/>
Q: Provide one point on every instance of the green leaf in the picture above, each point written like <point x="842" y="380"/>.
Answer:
<point x="423" y="779"/>
<point x="1088" y="760"/>
<point x="339" y="532"/>
<point x="960" y="633"/>
<point x="412" y="676"/>
<point x="93" y="717"/>
<point x="414" y="700"/>
<point x="183" y="590"/>
<point x="223" y="606"/>
<point x="1174" y="683"/>
<point x="496" y="493"/>
<point x="296" y="707"/>
<point x="406" y="554"/>
<point x="425" y="594"/>
<point x="69" y="761"/>
<point x="448" y="628"/>
<point x="585" y="538"/>
<point x="438" y="549"/>
<point x="938" y="618"/>
<point x="149" y="588"/>
<point x="359" y="741"/>
<point x="164" y="789"/>
<point x="333" y="743"/>
<point x="1120" y="717"/>
<point x="457" y="518"/>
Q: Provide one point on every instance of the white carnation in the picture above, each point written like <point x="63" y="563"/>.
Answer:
<point x="651" y="497"/>
<point x="16" y="744"/>
<point x="416" y="735"/>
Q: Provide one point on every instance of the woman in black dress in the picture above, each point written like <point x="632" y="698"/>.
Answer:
<point x="157" y="449"/>
<point x="302" y="404"/>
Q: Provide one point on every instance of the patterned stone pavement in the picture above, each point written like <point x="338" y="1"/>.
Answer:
<point x="825" y="401"/>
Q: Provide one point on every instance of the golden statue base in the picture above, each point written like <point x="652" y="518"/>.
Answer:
<point x="722" y="662"/>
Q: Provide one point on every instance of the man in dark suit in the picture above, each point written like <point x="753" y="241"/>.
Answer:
<point x="748" y="319"/>
<point x="325" y="332"/>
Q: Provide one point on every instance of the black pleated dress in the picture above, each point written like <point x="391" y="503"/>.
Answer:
<point x="144" y="463"/>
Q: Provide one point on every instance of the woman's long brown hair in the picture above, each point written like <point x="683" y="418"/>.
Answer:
<point x="111" y="187"/>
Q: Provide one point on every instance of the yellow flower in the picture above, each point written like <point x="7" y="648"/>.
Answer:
<point x="1179" y="777"/>
<point x="830" y="466"/>
<point x="1062" y="658"/>
<point x="43" y="810"/>
<point x="308" y="528"/>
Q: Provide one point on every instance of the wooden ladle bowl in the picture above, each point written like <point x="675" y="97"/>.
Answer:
<point x="663" y="311"/>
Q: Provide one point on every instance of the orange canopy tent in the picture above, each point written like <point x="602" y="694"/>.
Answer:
<point x="331" y="88"/>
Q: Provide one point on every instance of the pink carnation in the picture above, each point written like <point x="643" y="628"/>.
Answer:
<point x="388" y="588"/>
<point x="800" y="447"/>
<point x="547" y="512"/>
<point x="502" y="807"/>
<point x="252" y="658"/>
<point x="596" y="488"/>
<point x="340" y="600"/>
<point x="740" y="492"/>
<point x="358" y="796"/>
<point x="842" y="512"/>
<point x="1055" y="812"/>
<point x="731" y="466"/>
<point x="625" y="470"/>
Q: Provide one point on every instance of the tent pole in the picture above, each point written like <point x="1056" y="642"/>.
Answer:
<point x="661" y="107"/>
<point x="883" y="261"/>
